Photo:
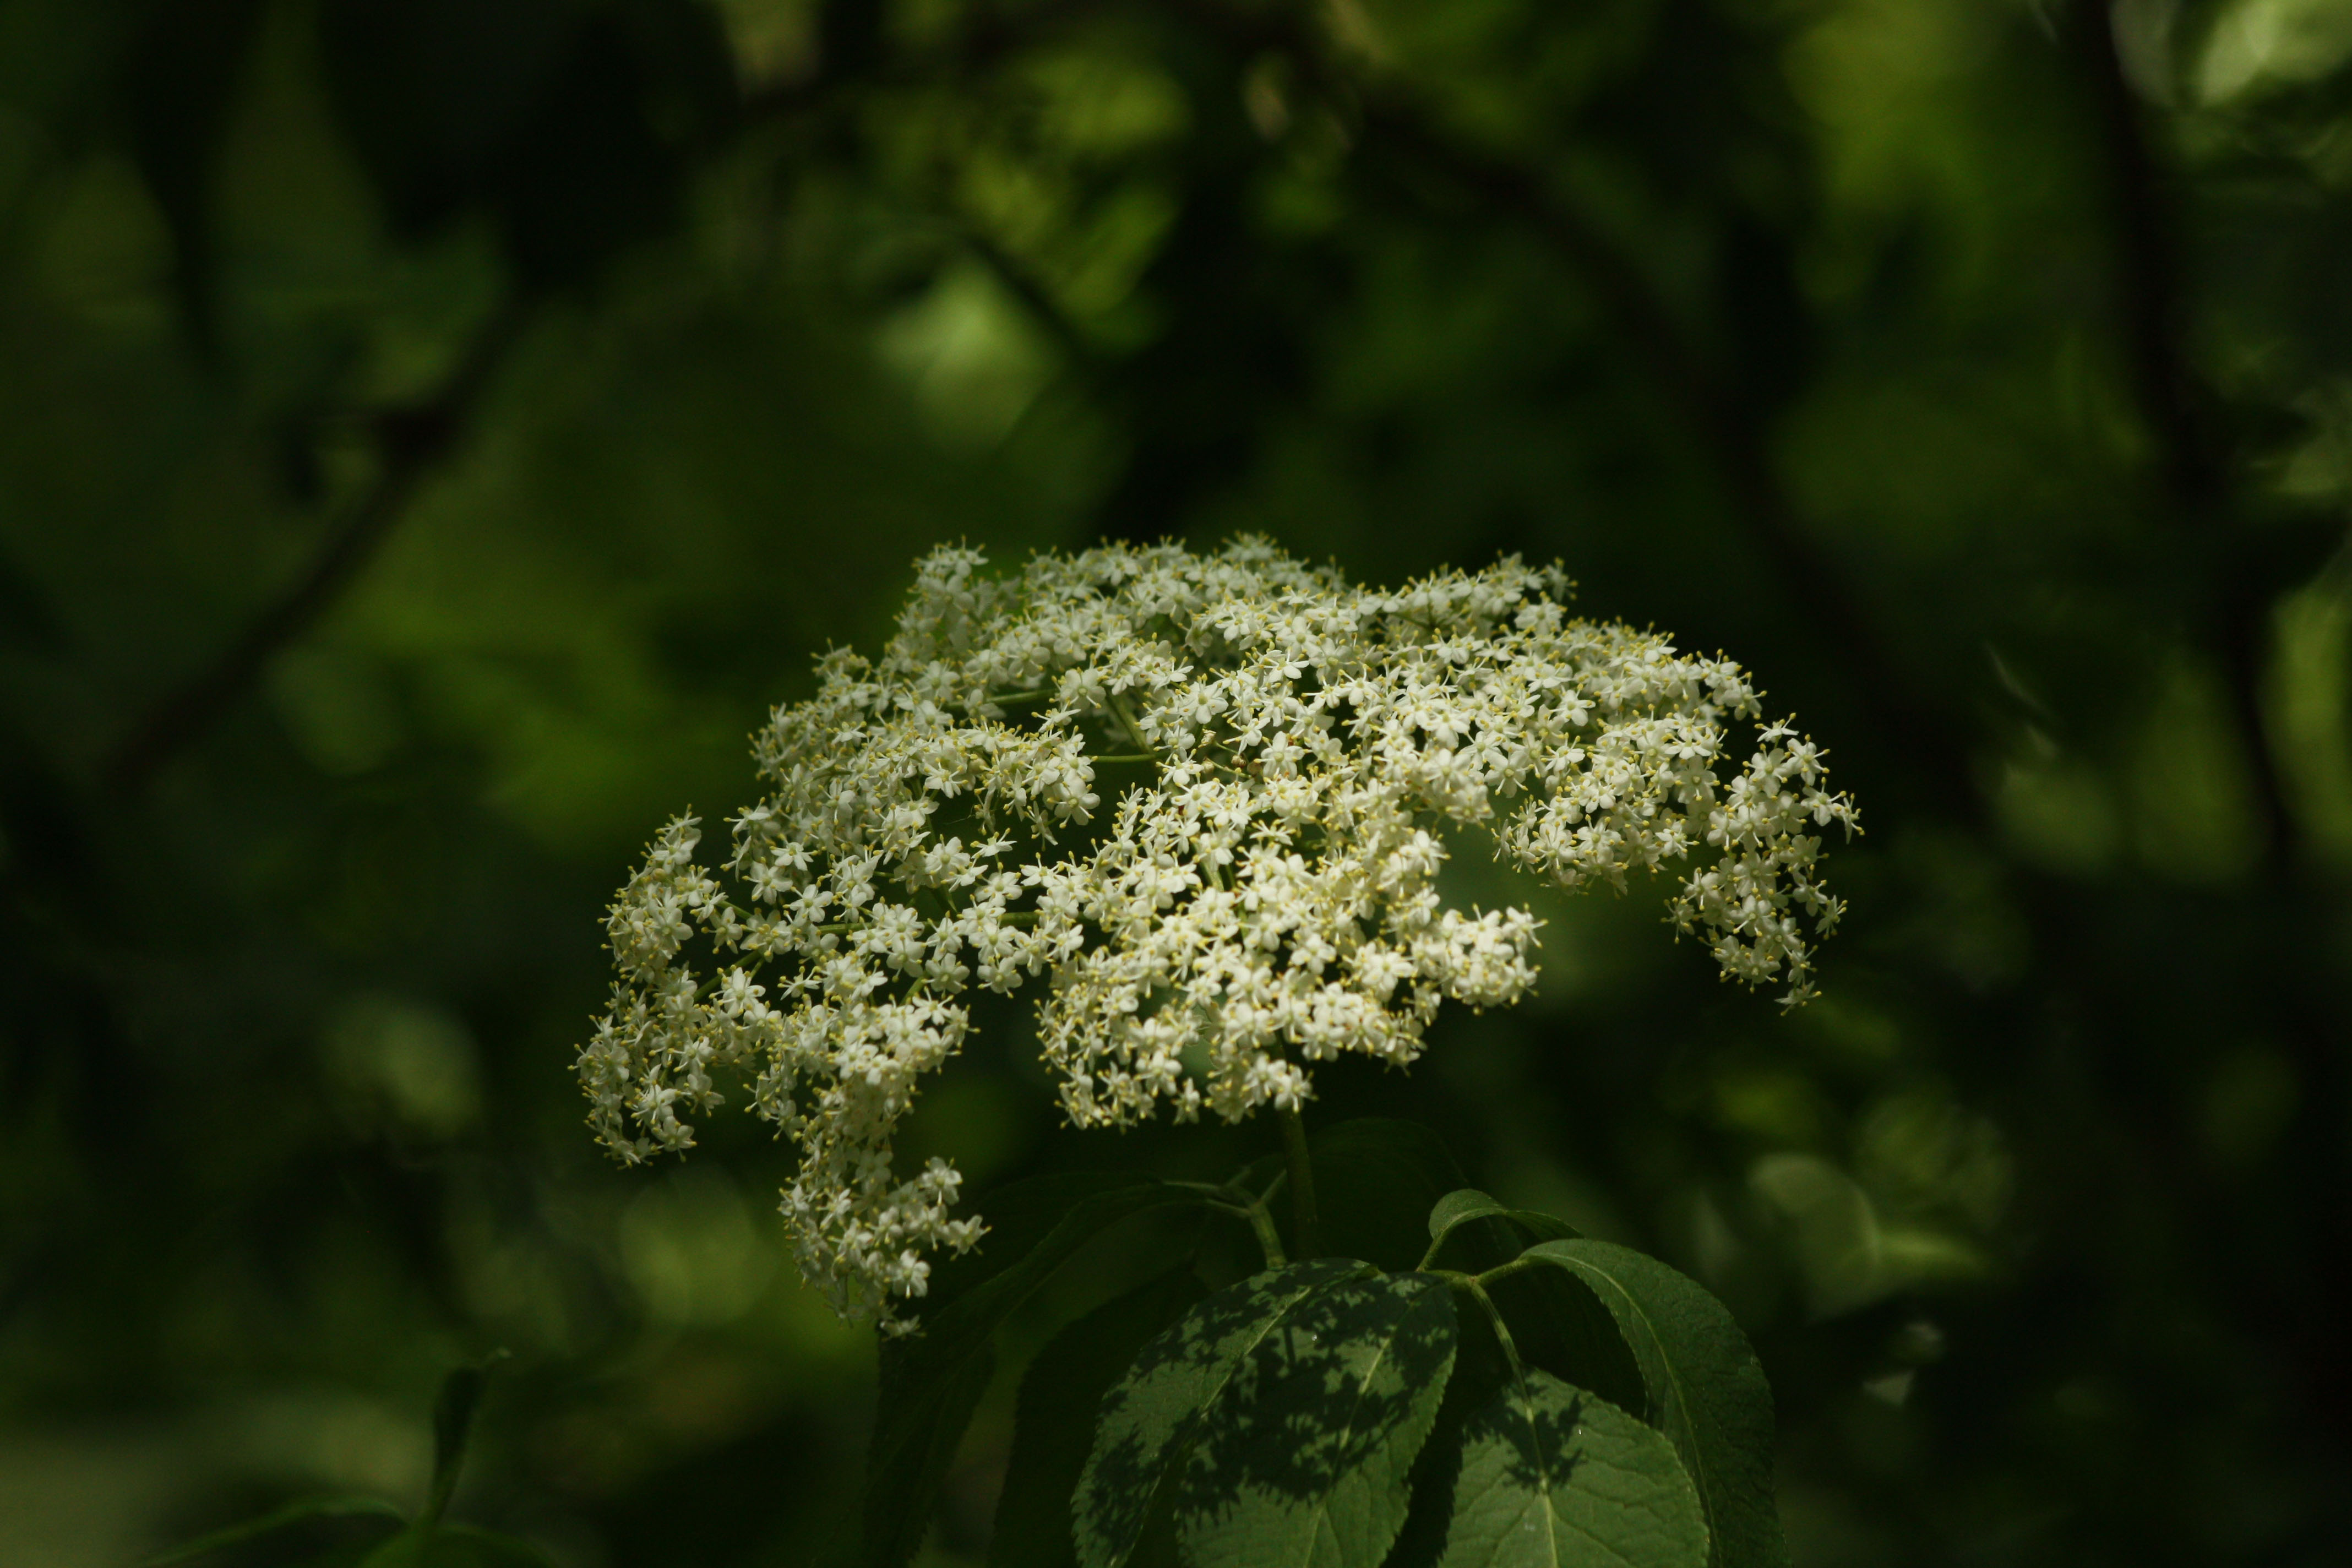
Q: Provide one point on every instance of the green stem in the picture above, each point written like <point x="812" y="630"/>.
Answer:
<point x="1301" y="1171"/>
<point x="1233" y="1201"/>
<point x="1269" y="1239"/>
<point x="1502" y="1332"/>
<point x="1126" y="717"/>
<point x="1505" y="1270"/>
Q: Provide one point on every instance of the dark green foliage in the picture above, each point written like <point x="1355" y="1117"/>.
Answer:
<point x="1376" y="1177"/>
<point x="1467" y="1206"/>
<point x="1053" y="1422"/>
<point x="312" y="1532"/>
<point x="366" y="1533"/>
<point x="487" y="410"/>
<point x="1561" y="1324"/>
<point x="930" y="1382"/>
<point x="1277" y="1423"/>
<point x="1327" y="1414"/>
<point x="1705" y="1391"/>
<point x="1553" y="1477"/>
<point x="567" y="125"/>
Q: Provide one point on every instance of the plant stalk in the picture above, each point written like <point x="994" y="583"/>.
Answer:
<point x="1301" y="1171"/>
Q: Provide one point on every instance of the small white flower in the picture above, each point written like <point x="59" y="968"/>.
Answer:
<point x="1255" y="895"/>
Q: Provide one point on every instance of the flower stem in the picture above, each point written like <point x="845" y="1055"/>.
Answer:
<point x="1301" y="1171"/>
<point x="1502" y="1332"/>
<point x="1231" y="1200"/>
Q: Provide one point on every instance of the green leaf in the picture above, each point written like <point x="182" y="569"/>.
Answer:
<point x="1467" y="1205"/>
<point x="464" y="1546"/>
<point x="378" y="1520"/>
<point x="423" y="1545"/>
<point x="1277" y="1423"/>
<point x="1308" y="1461"/>
<point x="931" y="1381"/>
<point x="1152" y="1417"/>
<point x="1705" y="1391"/>
<point x="1558" y="1324"/>
<point x="453" y="1410"/>
<point x="1551" y="1476"/>
<point x="1375" y="1181"/>
<point x="1457" y="1207"/>
<point x="1053" y="1422"/>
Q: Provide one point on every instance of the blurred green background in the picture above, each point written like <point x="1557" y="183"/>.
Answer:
<point x="432" y="432"/>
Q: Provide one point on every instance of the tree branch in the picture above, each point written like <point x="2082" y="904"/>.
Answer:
<point x="412" y="441"/>
<point x="1690" y="386"/>
<point x="2233" y="609"/>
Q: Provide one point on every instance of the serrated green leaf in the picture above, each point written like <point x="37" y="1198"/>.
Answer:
<point x="1559" y="1325"/>
<point x="1552" y="1475"/>
<point x="1705" y="1391"/>
<point x="1467" y="1205"/>
<point x="1308" y="1460"/>
<point x="1054" y="1420"/>
<point x="1275" y="1427"/>
<point x="930" y="1382"/>
<point x="1152" y="1417"/>
<point x="291" y="1517"/>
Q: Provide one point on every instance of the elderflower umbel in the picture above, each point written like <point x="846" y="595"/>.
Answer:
<point x="1202" y="796"/>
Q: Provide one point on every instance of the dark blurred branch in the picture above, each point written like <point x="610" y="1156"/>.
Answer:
<point x="1670" y="353"/>
<point x="2232" y="607"/>
<point x="412" y="441"/>
<point x="851" y="56"/>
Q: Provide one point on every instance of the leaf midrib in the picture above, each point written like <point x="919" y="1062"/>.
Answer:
<point x="1696" y="1457"/>
<point x="1323" y="1507"/>
<point x="1180" y="1447"/>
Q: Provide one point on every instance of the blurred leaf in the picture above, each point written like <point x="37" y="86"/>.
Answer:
<point x="382" y="1519"/>
<point x="566" y="124"/>
<point x="1705" y="1391"/>
<point x="456" y="1546"/>
<point x="454" y="1409"/>
<point x="184" y="76"/>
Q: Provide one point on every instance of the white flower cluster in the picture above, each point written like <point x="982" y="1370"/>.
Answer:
<point x="1280" y="752"/>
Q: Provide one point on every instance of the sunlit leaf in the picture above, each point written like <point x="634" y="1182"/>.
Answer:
<point x="1705" y="1391"/>
<point x="1154" y="1415"/>
<point x="1277" y="1424"/>
<point x="1467" y="1205"/>
<point x="1552" y="1476"/>
<point x="1054" y="1423"/>
<point x="932" y="1381"/>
